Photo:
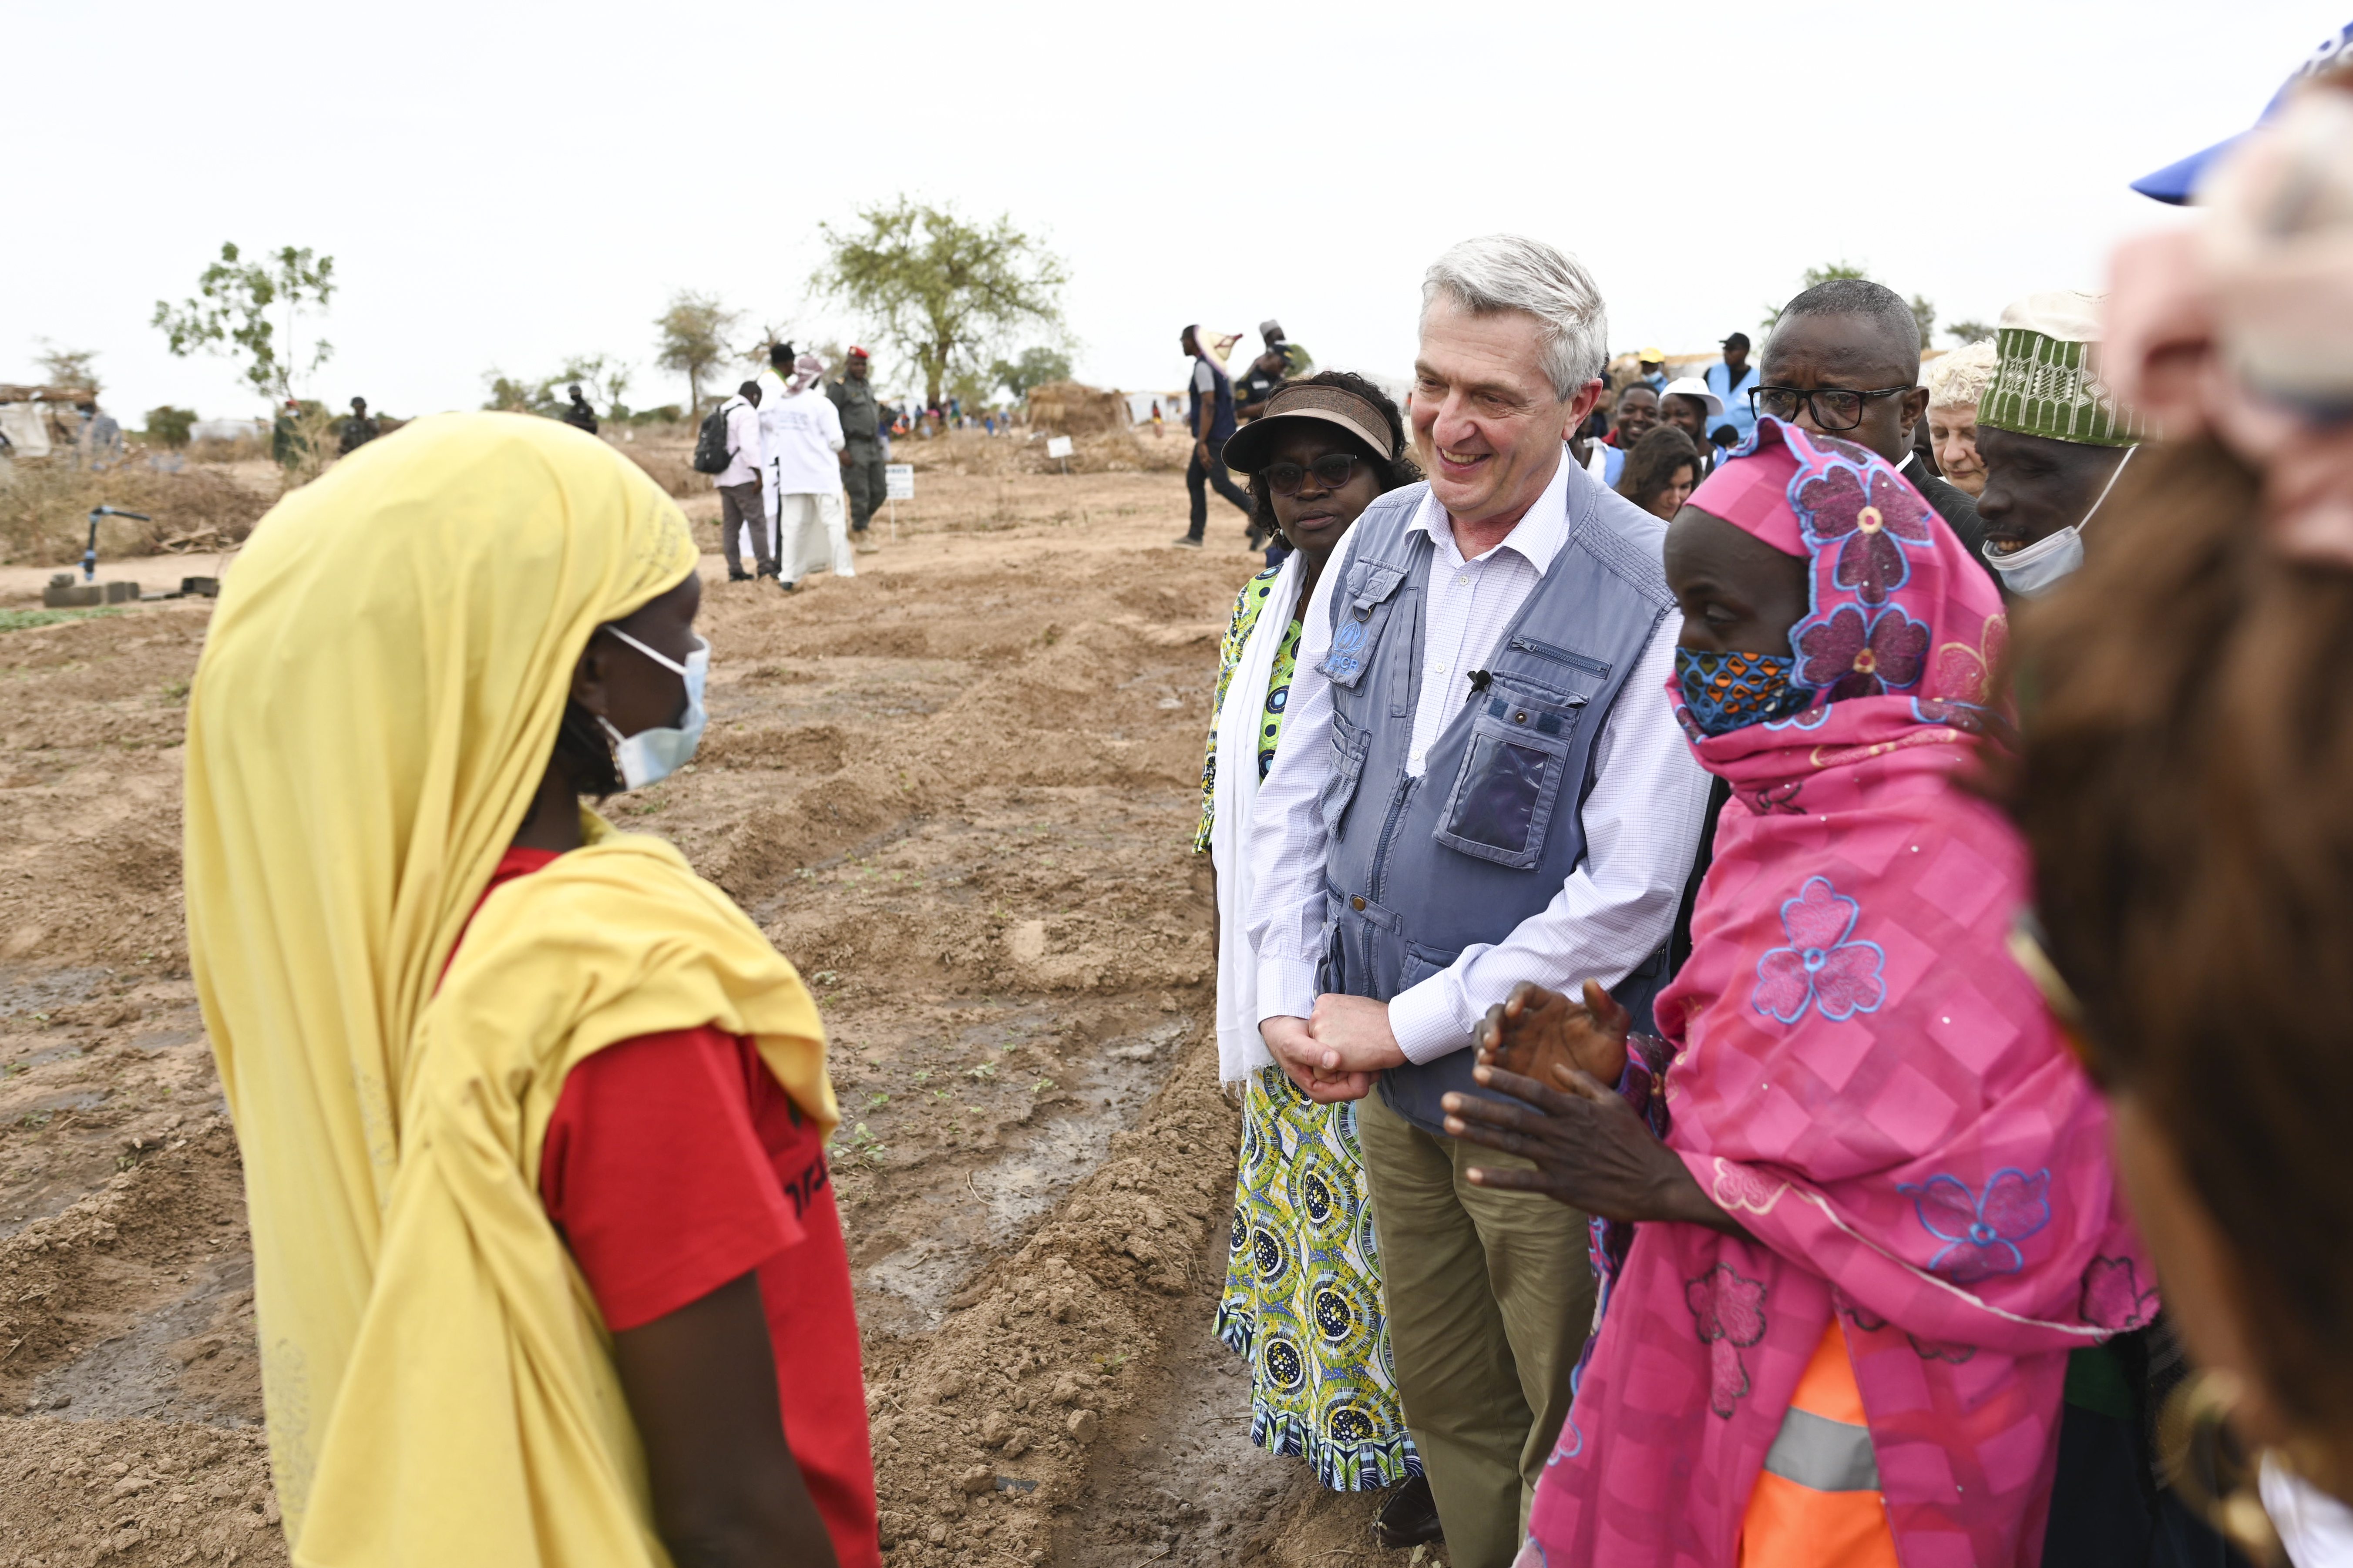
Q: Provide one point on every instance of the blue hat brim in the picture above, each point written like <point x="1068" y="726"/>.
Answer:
<point x="2175" y="182"/>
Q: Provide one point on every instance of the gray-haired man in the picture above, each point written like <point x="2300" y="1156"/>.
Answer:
<point x="1480" y="783"/>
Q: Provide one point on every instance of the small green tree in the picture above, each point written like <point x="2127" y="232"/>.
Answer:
<point x="171" y="426"/>
<point x="66" y="367"/>
<point x="231" y="311"/>
<point x="1925" y="315"/>
<point x="939" y="289"/>
<point x="1036" y="367"/>
<point x="693" y="339"/>
<point x="507" y="395"/>
<point x="601" y="380"/>
<point x="1967" y="332"/>
<point x="1814" y="275"/>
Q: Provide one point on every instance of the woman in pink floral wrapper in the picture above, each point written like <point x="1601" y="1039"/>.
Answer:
<point x="1856" y="1209"/>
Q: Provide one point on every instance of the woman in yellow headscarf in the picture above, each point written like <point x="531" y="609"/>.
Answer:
<point x="546" y="1268"/>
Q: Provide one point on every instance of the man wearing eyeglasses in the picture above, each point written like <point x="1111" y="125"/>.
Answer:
<point x="1844" y="361"/>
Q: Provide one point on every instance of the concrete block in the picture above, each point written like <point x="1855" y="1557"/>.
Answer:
<point x="121" y="592"/>
<point x="64" y="594"/>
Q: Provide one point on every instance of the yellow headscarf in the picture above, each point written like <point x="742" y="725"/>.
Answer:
<point x="377" y="700"/>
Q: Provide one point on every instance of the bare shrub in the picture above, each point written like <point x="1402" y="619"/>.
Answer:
<point x="45" y="507"/>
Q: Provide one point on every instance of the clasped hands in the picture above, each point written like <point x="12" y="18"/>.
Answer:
<point x="1560" y="1061"/>
<point x="1333" y="1053"/>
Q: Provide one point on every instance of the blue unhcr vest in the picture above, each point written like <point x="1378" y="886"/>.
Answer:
<point x="1416" y="869"/>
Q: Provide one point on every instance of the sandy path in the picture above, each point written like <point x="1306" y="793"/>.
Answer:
<point x="958" y="790"/>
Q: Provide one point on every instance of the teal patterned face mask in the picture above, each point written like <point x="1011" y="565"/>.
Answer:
<point x="1728" y="691"/>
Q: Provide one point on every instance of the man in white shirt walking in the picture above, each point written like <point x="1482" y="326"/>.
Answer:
<point x="801" y="440"/>
<point x="1481" y="782"/>
<point x="740" y="512"/>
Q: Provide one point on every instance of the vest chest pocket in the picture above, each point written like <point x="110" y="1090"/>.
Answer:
<point x="1510" y="783"/>
<point x="1364" y="607"/>
<point x="1349" y="745"/>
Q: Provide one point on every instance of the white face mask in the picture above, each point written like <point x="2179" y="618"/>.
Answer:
<point x="650" y="756"/>
<point x="2037" y="568"/>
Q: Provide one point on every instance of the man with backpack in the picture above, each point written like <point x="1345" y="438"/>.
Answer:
<point x="728" y="447"/>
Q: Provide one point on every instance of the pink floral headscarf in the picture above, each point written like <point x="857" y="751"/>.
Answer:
<point x="1863" y="1078"/>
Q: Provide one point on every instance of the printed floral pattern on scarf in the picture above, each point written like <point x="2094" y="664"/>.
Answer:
<point x="1247" y="607"/>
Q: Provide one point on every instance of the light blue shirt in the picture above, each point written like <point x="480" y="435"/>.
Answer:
<point x="1736" y="412"/>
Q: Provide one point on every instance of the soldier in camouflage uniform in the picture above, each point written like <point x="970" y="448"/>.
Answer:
<point x="862" y="465"/>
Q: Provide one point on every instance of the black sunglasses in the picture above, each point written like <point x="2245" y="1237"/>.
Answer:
<point x="1332" y="470"/>
<point x="1835" y="408"/>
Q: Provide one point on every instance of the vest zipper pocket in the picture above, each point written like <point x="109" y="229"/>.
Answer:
<point x="1389" y="830"/>
<point x="1592" y="667"/>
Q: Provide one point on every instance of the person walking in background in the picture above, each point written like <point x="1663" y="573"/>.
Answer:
<point x="2054" y="438"/>
<point x="862" y="458"/>
<point x="359" y="429"/>
<point x="1957" y="381"/>
<point x="1732" y="379"/>
<point x="1692" y="408"/>
<point x="532" y="1116"/>
<point x="1813" y="1260"/>
<point x="1637" y="416"/>
<point x="1303" y="1295"/>
<point x="1844" y="361"/>
<point x="1662" y="473"/>
<point x="1266" y="373"/>
<point x="740" y="512"/>
<point x="801" y="441"/>
<point x="1477" y="786"/>
<point x="1209" y="419"/>
<point x="102" y="439"/>
<point x="577" y="413"/>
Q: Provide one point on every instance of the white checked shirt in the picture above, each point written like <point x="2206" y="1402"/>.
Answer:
<point x="1641" y="821"/>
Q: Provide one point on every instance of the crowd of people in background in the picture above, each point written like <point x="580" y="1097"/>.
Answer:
<point x="1744" y="1061"/>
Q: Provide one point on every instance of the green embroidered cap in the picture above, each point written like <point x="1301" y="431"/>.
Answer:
<point x="2046" y="377"/>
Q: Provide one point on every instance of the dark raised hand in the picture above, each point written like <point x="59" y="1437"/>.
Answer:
<point x="1591" y="1151"/>
<point x="1535" y="1033"/>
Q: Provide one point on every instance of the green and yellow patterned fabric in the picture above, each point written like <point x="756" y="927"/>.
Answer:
<point x="1303" y="1297"/>
<point x="1246" y="608"/>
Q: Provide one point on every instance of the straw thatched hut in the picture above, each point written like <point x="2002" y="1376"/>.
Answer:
<point x="1073" y="408"/>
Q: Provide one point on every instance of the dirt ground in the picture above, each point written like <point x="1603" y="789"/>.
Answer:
<point x="958" y="790"/>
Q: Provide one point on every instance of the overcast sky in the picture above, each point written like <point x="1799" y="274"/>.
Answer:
<point x="504" y="186"/>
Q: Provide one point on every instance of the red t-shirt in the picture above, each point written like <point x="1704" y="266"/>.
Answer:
<point x="675" y="1163"/>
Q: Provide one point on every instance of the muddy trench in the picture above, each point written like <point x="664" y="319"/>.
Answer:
<point x="959" y="792"/>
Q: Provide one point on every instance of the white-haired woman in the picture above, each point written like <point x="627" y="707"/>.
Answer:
<point x="1956" y="381"/>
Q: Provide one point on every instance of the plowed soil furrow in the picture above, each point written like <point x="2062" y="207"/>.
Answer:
<point x="959" y="792"/>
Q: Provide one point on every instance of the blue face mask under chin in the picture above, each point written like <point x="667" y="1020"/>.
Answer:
<point x="650" y="756"/>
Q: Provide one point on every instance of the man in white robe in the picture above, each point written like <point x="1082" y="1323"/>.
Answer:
<point x="805" y="453"/>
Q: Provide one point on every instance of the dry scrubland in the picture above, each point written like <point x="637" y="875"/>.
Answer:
<point x="958" y="791"/>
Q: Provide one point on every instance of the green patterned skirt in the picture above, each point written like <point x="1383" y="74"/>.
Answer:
<point x="1303" y="1299"/>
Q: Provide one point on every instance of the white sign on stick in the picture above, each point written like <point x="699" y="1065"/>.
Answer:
<point x="1057" y="446"/>
<point x="898" y="481"/>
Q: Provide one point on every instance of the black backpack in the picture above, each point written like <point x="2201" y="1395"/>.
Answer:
<point x="711" y="446"/>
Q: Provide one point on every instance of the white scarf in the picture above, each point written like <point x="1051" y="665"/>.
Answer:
<point x="1234" y="797"/>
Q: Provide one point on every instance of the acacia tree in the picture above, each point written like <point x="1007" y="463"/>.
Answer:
<point x="1815" y="275"/>
<point x="694" y="333"/>
<point x="66" y="367"/>
<point x="230" y="315"/>
<point x="939" y="289"/>
<point x="1036" y="367"/>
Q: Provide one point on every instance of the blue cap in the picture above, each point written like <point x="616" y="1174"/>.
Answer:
<point x="2175" y="182"/>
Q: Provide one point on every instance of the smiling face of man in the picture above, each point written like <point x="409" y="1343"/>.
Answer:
<point x="1486" y="412"/>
